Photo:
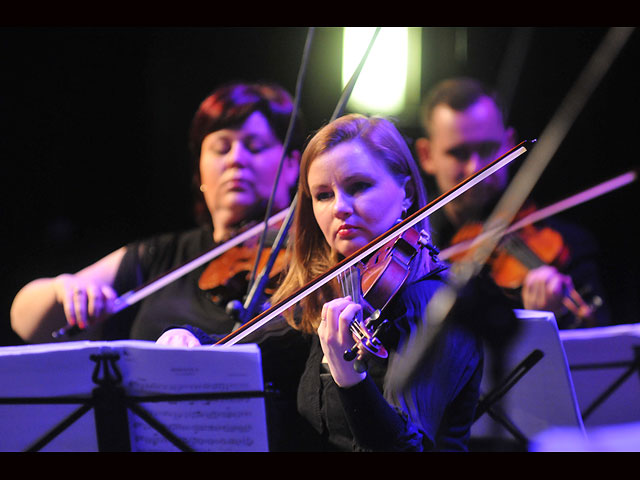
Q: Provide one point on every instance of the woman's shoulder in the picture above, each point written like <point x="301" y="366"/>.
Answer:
<point x="414" y="295"/>
<point x="167" y="250"/>
<point x="195" y="238"/>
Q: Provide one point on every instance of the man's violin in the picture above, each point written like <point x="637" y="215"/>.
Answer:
<point x="524" y="250"/>
<point x="525" y="246"/>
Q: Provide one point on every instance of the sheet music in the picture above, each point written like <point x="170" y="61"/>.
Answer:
<point x="236" y="424"/>
<point x="57" y="370"/>
<point x="208" y="425"/>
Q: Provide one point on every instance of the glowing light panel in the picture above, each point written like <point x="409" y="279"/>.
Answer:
<point x="382" y="85"/>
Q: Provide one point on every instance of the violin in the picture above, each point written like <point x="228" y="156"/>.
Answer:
<point x="230" y="273"/>
<point x="138" y="294"/>
<point x="526" y="249"/>
<point x="375" y="283"/>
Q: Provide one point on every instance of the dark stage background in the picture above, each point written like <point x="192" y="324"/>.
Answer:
<point x="94" y="128"/>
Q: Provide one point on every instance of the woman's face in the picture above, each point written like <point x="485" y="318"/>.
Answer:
<point x="238" y="169"/>
<point x="355" y="199"/>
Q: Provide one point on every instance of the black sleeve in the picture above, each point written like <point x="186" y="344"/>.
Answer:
<point x="375" y="424"/>
<point x="436" y="410"/>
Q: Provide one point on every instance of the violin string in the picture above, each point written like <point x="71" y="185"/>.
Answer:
<point x="518" y="248"/>
<point x="358" y="330"/>
<point x="349" y="281"/>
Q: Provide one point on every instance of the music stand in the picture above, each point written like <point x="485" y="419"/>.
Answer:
<point x="116" y="409"/>
<point x="604" y="362"/>
<point x="537" y="392"/>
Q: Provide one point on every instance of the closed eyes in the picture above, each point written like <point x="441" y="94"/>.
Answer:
<point x="222" y="146"/>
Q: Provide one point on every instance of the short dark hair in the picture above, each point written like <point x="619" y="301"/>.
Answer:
<point x="230" y="105"/>
<point x="459" y="94"/>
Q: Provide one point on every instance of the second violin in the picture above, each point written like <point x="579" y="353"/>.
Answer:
<point x="523" y="250"/>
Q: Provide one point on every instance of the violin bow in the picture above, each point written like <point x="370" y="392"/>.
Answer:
<point x="256" y="287"/>
<point x="548" y="211"/>
<point x="404" y="367"/>
<point x="266" y="316"/>
<point x="134" y="296"/>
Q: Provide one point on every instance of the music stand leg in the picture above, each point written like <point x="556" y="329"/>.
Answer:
<point x="633" y="366"/>
<point x="487" y="403"/>
<point x="159" y="427"/>
<point x="112" y="423"/>
<point x="58" y="429"/>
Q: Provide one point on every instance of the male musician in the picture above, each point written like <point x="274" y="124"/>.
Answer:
<point x="464" y="131"/>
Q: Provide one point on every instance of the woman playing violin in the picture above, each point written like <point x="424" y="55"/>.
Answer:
<point x="236" y="139"/>
<point x="357" y="179"/>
